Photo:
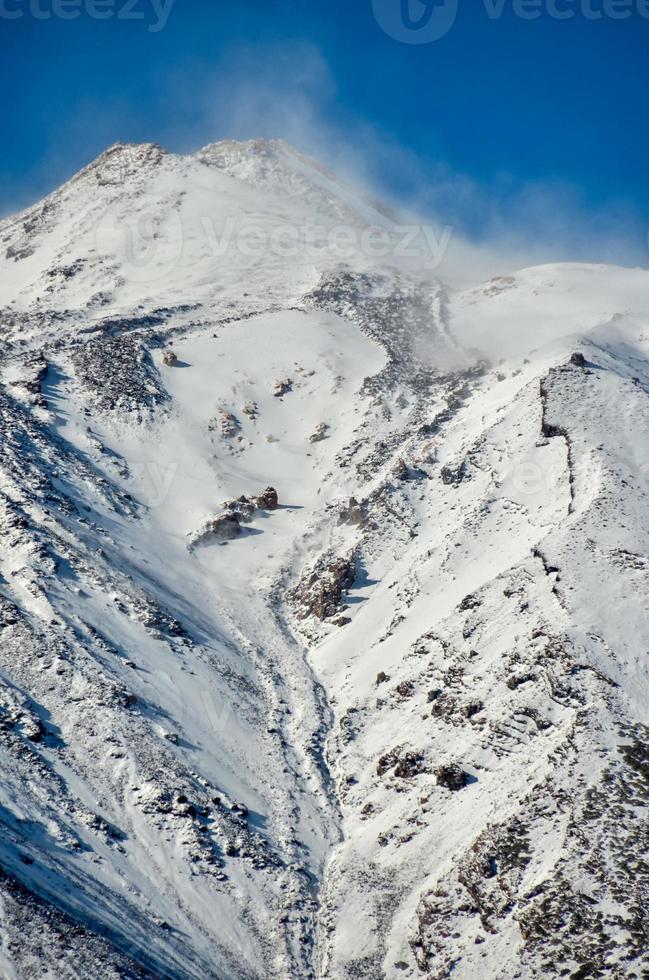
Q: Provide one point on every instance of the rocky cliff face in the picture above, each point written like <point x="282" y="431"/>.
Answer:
<point x="385" y="718"/>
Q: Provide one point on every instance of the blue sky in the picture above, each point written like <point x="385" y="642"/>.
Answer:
<point x="535" y="126"/>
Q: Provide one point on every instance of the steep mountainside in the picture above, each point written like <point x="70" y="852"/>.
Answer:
<point x="323" y="590"/>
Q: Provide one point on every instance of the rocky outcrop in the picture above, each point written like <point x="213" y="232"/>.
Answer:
<point x="281" y="388"/>
<point x="321" y="592"/>
<point x="452" y="476"/>
<point x="578" y="359"/>
<point x="243" y="508"/>
<point x="319" y="433"/>
<point x="352" y="513"/>
<point x="226" y="526"/>
<point x="229" y="425"/>
<point x="118" y="372"/>
<point x="452" y="777"/>
<point x="267" y="499"/>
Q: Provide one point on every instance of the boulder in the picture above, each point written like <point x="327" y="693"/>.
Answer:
<point x="353" y="513"/>
<point x="225" y="527"/>
<point x="452" y="777"/>
<point x="453" y="476"/>
<point x="469" y="602"/>
<point x="388" y="761"/>
<point x="405" y="690"/>
<point x="401" y="470"/>
<point x="341" y="621"/>
<point x="282" y="387"/>
<point x="170" y="358"/>
<point x="267" y="499"/>
<point x="411" y="764"/>
<point x="319" y="433"/>
<point x="242" y="506"/>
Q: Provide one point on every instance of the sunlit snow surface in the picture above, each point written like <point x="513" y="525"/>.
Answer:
<point x="199" y="780"/>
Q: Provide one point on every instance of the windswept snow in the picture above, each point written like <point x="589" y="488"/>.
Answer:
<point x="393" y="727"/>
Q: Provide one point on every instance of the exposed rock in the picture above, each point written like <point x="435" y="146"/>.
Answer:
<point x="402" y="470"/>
<point x="472" y="708"/>
<point x="281" y="388"/>
<point x="405" y="690"/>
<point x="243" y="507"/>
<point x="453" y="475"/>
<point x="319" y="433"/>
<point x="388" y="761"/>
<point x="469" y="602"/>
<point x="267" y="499"/>
<point x="320" y="594"/>
<point x="341" y="621"/>
<point x="229" y="425"/>
<point x="452" y="777"/>
<point x="118" y="371"/>
<point x="578" y="359"/>
<point x="516" y="680"/>
<point x="444" y="706"/>
<point x="406" y="765"/>
<point x="382" y="678"/>
<point x="225" y="527"/>
<point x="353" y="513"/>
<point x="410" y="765"/>
<point x="241" y="510"/>
<point x="170" y="358"/>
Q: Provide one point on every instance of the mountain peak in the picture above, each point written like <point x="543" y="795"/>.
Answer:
<point x="261" y="160"/>
<point x="123" y="159"/>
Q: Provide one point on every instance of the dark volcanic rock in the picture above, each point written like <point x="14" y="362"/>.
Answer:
<point x="119" y="371"/>
<point x="452" y="777"/>
<point x="267" y="499"/>
<point x="353" y="513"/>
<point x="453" y="475"/>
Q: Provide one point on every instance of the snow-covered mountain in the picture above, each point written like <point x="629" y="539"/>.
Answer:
<point x="323" y="590"/>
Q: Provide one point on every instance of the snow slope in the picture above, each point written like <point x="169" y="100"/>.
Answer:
<point x="399" y="735"/>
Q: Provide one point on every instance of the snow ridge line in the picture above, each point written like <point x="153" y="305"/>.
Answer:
<point x="551" y="431"/>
